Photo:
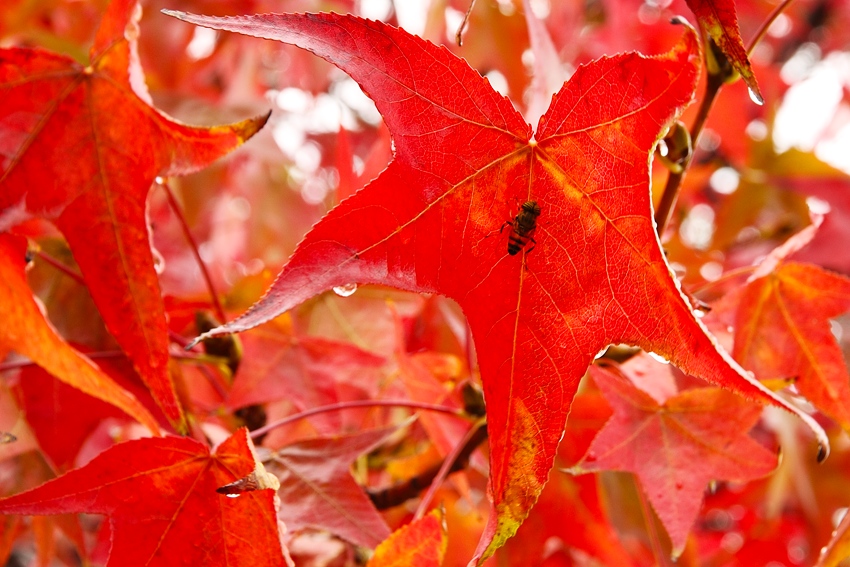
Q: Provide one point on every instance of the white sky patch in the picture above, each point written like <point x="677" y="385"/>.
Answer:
<point x="349" y="93"/>
<point x="453" y="20"/>
<point x="725" y="180"/>
<point x="202" y="44"/>
<point x="375" y="9"/>
<point x="498" y="82"/>
<point x="697" y="229"/>
<point x="812" y="117"/>
<point x="412" y="14"/>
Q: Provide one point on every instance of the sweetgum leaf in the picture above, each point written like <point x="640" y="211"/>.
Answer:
<point x="81" y="145"/>
<point x="26" y="331"/>
<point x="317" y="489"/>
<point x="464" y="161"/>
<point x="160" y="497"/>
<point x="421" y="543"/>
<point x="677" y="446"/>
<point x="782" y="330"/>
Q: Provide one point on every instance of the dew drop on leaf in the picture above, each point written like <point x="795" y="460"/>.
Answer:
<point x="658" y="358"/>
<point x="754" y="96"/>
<point x="345" y="290"/>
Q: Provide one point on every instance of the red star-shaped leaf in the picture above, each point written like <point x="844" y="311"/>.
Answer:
<point x="677" y="445"/>
<point x="82" y="145"/>
<point x="160" y="497"/>
<point x="782" y="326"/>
<point x="464" y="161"/>
<point x="317" y="489"/>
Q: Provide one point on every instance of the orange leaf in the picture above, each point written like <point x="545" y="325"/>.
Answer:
<point x="82" y="145"/>
<point x="675" y="446"/>
<point x="419" y="544"/>
<point x="782" y="330"/>
<point x="26" y="331"/>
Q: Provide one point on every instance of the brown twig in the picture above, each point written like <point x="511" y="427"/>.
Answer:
<point x="674" y="182"/>
<point x="462" y="26"/>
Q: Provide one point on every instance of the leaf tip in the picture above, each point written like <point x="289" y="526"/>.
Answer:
<point x="823" y="452"/>
<point x="174" y="13"/>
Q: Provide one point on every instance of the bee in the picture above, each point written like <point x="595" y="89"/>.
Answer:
<point x="523" y="226"/>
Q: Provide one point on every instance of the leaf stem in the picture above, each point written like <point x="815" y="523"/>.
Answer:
<point x="766" y="25"/>
<point x="737" y="272"/>
<point x="660" y="557"/>
<point x="61" y="267"/>
<point x="25" y="362"/>
<point x="356" y="404"/>
<point x="175" y="206"/>
<point x="460" y="454"/>
<point x="674" y="181"/>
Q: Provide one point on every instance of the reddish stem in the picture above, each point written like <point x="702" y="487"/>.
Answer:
<point x="660" y="557"/>
<point x="725" y="277"/>
<point x="472" y="438"/>
<point x="766" y="25"/>
<point x="356" y="404"/>
<point x="5" y="366"/>
<point x="175" y="206"/>
<point x="61" y="267"/>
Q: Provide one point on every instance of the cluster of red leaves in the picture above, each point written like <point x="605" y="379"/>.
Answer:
<point x="361" y="406"/>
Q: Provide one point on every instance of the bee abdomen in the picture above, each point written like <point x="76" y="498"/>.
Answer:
<point x="515" y="244"/>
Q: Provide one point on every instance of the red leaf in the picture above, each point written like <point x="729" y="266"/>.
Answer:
<point x="719" y="20"/>
<point x="676" y="447"/>
<point x="317" y="489"/>
<point x="419" y="544"/>
<point x="307" y="371"/>
<point x="160" y="497"/>
<point x="87" y="138"/>
<point x="26" y="331"/>
<point x="464" y="161"/>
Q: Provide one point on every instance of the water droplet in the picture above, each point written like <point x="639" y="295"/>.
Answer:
<point x="658" y="357"/>
<point x="755" y="97"/>
<point x="590" y="457"/>
<point x="345" y="290"/>
<point x="233" y="495"/>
